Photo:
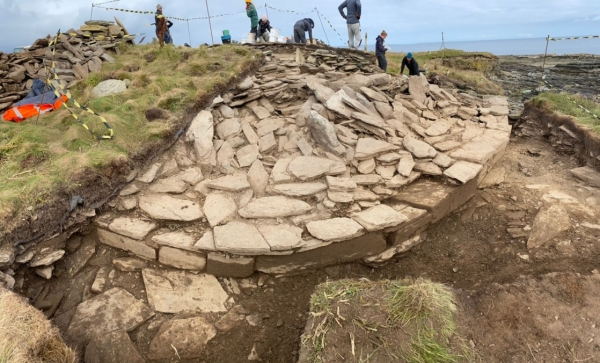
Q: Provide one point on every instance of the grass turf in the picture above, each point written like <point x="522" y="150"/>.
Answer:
<point x="38" y="158"/>
<point x="568" y="104"/>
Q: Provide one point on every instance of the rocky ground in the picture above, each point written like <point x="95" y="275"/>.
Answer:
<point x="531" y="217"/>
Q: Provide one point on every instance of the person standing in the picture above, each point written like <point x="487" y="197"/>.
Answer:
<point x="412" y="65"/>
<point x="380" y="50"/>
<point x="264" y="29"/>
<point x="161" y="25"/>
<point x="302" y="26"/>
<point x="253" y="15"/>
<point x="353" y="20"/>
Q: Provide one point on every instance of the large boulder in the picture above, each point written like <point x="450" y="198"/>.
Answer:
<point x="108" y="88"/>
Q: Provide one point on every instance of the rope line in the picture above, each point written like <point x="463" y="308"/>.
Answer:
<point x="180" y="19"/>
<point x="61" y="92"/>
<point x="574" y="38"/>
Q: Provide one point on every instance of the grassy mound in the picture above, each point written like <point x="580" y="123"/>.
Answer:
<point x="27" y="336"/>
<point x="55" y="153"/>
<point x="567" y="104"/>
<point x="469" y="68"/>
<point x="387" y="321"/>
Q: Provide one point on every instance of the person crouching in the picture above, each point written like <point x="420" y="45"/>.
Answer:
<point x="264" y="29"/>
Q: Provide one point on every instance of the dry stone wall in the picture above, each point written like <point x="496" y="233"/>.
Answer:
<point x="78" y="53"/>
<point x="293" y="171"/>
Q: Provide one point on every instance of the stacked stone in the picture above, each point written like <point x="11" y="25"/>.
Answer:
<point x="331" y="60"/>
<point x="293" y="170"/>
<point x="78" y="53"/>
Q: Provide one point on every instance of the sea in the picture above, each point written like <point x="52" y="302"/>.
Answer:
<point x="529" y="46"/>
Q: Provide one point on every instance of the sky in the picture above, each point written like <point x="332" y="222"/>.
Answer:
<point x="406" y="21"/>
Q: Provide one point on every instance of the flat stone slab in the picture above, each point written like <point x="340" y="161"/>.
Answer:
<point x="112" y="310"/>
<point x="240" y="238"/>
<point x="281" y="237"/>
<point x="379" y="217"/>
<point x="308" y="167"/>
<point x="136" y="247"/>
<point x="463" y="171"/>
<point x="335" y="229"/>
<point x="274" y="207"/>
<point x="112" y="347"/>
<point x="164" y="207"/>
<point x="46" y="259"/>
<point x="230" y="183"/>
<point x="482" y="148"/>
<point x="181" y="339"/>
<point x="179" y="240"/>
<point x="367" y="148"/>
<point x="131" y="227"/>
<point x="588" y="175"/>
<point x="494" y="177"/>
<point x="173" y="292"/>
<point x="219" y="209"/>
<point x="299" y="189"/>
<point x="419" y="149"/>
<point x="185" y="260"/>
<point x="548" y="223"/>
<point x="172" y="185"/>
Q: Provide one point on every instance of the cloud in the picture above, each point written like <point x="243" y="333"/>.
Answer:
<point x="27" y="20"/>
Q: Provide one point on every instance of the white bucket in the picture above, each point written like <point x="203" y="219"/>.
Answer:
<point x="243" y="41"/>
<point x="281" y="39"/>
<point x="275" y="32"/>
<point x="251" y="38"/>
<point x="272" y="39"/>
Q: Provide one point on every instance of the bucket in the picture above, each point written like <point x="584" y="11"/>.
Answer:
<point x="280" y="39"/>
<point x="251" y="38"/>
<point x="225" y="33"/>
<point x="272" y="39"/>
<point x="275" y="32"/>
<point x="243" y="41"/>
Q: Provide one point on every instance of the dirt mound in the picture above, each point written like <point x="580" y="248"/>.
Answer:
<point x="27" y="336"/>
<point x="553" y="319"/>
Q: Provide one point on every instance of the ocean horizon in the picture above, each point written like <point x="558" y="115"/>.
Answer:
<point x="529" y="46"/>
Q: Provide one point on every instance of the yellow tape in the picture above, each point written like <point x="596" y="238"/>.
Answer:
<point x="574" y="38"/>
<point x="62" y="92"/>
<point x="180" y="19"/>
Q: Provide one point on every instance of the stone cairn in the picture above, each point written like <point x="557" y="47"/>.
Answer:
<point x="292" y="171"/>
<point x="78" y="53"/>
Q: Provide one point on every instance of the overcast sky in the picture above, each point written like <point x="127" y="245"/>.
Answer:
<point x="406" y="21"/>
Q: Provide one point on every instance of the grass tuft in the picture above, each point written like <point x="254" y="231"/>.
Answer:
<point x="27" y="336"/>
<point x="405" y="321"/>
<point x="567" y="104"/>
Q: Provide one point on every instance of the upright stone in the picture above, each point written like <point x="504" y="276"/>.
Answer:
<point x="324" y="134"/>
<point x="258" y="178"/>
<point x="201" y="132"/>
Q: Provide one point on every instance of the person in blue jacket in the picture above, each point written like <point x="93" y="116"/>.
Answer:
<point x="380" y="50"/>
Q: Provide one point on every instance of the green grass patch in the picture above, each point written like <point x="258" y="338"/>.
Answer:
<point x="39" y="158"/>
<point x="568" y="104"/>
<point x="405" y="321"/>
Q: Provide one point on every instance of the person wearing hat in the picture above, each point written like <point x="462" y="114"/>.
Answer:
<point x="253" y="15"/>
<point x="380" y="50"/>
<point x="302" y="26"/>
<point x="161" y="25"/>
<point x="410" y="63"/>
<point x="264" y="28"/>
<point x="354" y="10"/>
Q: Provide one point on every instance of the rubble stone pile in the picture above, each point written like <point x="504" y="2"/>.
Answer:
<point x="292" y="171"/>
<point x="78" y="53"/>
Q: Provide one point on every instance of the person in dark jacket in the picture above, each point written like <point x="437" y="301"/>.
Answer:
<point x="352" y="17"/>
<point x="380" y="49"/>
<point x="264" y="29"/>
<point x="302" y="26"/>
<point x="412" y="65"/>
